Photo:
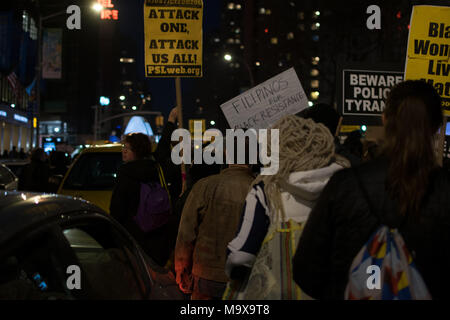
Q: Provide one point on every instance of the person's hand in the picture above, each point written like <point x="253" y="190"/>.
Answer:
<point x="173" y="116"/>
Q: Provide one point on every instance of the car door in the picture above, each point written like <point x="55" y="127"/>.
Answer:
<point x="33" y="266"/>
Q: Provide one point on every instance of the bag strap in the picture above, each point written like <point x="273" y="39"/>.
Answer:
<point x="162" y="180"/>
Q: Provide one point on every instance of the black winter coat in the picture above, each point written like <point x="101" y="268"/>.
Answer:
<point x="125" y="202"/>
<point x="340" y="224"/>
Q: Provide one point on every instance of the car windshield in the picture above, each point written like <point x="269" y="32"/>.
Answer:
<point x="94" y="171"/>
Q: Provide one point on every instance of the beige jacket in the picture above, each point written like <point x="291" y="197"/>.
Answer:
<point x="209" y="221"/>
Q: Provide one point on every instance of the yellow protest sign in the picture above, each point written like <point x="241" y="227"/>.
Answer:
<point x="428" y="54"/>
<point x="173" y="38"/>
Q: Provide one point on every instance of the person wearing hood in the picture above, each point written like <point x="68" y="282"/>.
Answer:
<point x="276" y="208"/>
<point x="139" y="166"/>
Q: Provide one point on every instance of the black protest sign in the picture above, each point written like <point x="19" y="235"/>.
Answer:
<point x="365" y="91"/>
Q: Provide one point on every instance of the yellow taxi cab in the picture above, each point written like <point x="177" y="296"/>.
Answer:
<point x="93" y="174"/>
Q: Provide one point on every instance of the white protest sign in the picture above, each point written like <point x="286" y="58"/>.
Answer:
<point x="263" y="105"/>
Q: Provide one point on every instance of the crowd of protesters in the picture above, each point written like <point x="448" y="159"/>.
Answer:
<point x="234" y="234"/>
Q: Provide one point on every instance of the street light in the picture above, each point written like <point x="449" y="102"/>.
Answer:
<point x="227" y="57"/>
<point x="97" y="7"/>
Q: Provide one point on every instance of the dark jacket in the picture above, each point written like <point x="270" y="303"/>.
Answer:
<point x="341" y="224"/>
<point x="125" y="202"/>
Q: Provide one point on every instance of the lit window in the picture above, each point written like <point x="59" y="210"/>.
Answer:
<point x="317" y="13"/>
<point x="273" y="40"/>
<point x="262" y="11"/>
<point x="238" y="7"/>
<point x="33" y="30"/>
<point x="127" y="60"/>
<point x="290" y="36"/>
<point x="230" y="40"/>
<point x="314" y="95"/>
<point x="301" y="15"/>
<point x="257" y="63"/>
<point x="315" y="60"/>
<point x="315" y="84"/>
<point x="237" y="41"/>
<point x="301" y="27"/>
<point x="268" y="12"/>
<point x="232" y="23"/>
<point x="231" y="6"/>
<point x="25" y="21"/>
<point x="314" y="72"/>
<point x="242" y="47"/>
<point x="315" y="37"/>
<point x="216" y="40"/>
<point x="238" y="30"/>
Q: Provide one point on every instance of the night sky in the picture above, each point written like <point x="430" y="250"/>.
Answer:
<point x="131" y="25"/>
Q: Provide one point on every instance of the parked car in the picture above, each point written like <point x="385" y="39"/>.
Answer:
<point x="8" y="180"/>
<point x="44" y="238"/>
<point x="92" y="175"/>
<point x="15" y="165"/>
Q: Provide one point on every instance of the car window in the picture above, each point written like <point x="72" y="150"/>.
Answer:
<point x="34" y="270"/>
<point x="5" y="176"/>
<point x="111" y="268"/>
<point x="94" y="171"/>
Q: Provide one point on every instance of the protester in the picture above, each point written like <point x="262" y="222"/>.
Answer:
<point x="14" y="154"/>
<point x="209" y="221"/>
<point x="280" y="202"/>
<point x="35" y="176"/>
<point x="404" y="188"/>
<point x="322" y="113"/>
<point x="139" y="166"/>
<point x="22" y="154"/>
<point x="194" y="174"/>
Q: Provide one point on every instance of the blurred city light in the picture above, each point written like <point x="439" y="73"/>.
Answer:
<point x="97" y="7"/>
<point x="122" y="98"/>
<point x="104" y="101"/>
<point x="227" y="57"/>
<point x="134" y="108"/>
<point x="212" y="122"/>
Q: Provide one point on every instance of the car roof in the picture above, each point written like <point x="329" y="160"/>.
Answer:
<point x="19" y="210"/>
<point x="113" y="147"/>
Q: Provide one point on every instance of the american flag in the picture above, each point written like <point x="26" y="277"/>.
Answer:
<point x="14" y="82"/>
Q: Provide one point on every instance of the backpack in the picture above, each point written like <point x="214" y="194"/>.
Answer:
<point x="384" y="268"/>
<point x="270" y="277"/>
<point x="154" y="204"/>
